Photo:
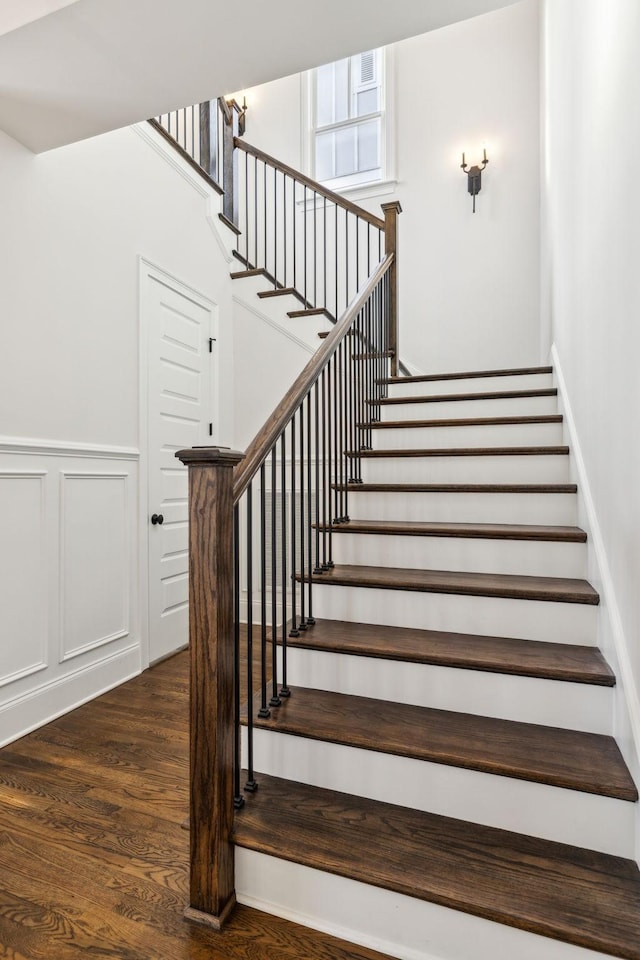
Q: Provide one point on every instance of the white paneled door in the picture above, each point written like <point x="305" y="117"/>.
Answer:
<point x="181" y="356"/>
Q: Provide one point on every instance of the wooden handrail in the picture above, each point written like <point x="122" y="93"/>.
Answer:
<point x="259" y="448"/>
<point x="312" y="184"/>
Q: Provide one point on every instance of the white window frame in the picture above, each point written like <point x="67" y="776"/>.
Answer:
<point x="359" y="184"/>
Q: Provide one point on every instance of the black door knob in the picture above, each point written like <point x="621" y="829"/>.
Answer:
<point x="157" y="518"/>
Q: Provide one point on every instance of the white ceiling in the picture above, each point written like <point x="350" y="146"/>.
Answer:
<point x="96" y="65"/>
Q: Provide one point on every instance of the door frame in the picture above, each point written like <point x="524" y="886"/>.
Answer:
<point x="146" y="270"/>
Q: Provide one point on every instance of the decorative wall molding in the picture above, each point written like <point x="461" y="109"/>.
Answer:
<point x="273" y="324"/>
<point x="64" y="448"/>
<point x="69" y="583"/>
<point x="83" y="553"/>
<point x="595" y="543"/>
<point x="23" y="575"/>
<point x="42" y="704"/>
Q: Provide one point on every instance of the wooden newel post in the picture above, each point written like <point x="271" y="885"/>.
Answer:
<point x="391" y="211"/>
<point x="212" y="891"/>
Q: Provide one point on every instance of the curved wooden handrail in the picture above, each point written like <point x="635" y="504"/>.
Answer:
<point x="261" y="445"/>
<point x="312" y="184"/>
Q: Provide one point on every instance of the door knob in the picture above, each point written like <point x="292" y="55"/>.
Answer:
<point x="157" y="518"/>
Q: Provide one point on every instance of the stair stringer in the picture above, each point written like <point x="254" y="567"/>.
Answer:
<point x="611" y="636"/>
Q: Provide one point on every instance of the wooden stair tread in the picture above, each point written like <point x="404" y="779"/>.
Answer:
<point x="310" y="312"/>
<point x="460" y="487"/>
<point x="515" y="586"/>
<point x="527" y="658"/>
<point x="552" y="889"/>
<point x="463" y="422"/>
<point x="281" y="292"/>
<point x="491" y="395"/>
<point x="480" y="531"/>
<point x="412" y="452"/>
<point x="588" y="762"/>
<point x="470" y="375"/>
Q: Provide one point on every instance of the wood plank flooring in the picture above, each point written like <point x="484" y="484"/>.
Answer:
<point x="93" y="859"/>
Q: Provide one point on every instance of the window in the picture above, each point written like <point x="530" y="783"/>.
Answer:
<point x="348" y="138"/>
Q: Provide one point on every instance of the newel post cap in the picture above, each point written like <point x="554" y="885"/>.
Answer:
<point x="210" y="456"/>
<point x="393" y="205"/>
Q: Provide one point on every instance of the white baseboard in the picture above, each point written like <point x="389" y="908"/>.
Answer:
<point x="57" y="697"/>
<point x="611" y="636"/>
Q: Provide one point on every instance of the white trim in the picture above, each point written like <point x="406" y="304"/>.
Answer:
<point x="387" y="114"/>
<point x="54" y="698"/>
<point x="596" y="543"/>
<point x="66" y="448"/>
<point x="146" y="268"/>
<point x="272" y="323"/>
<point x="125" y="630"/>
<point x="157" y="143"/>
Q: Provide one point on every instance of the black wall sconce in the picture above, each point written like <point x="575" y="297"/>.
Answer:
<point x="474" y="176"/>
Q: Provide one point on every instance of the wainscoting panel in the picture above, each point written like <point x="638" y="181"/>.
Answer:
<point x="95" y="569"/>
<point x="69" y="604"/>
<point x="23" y="575"/>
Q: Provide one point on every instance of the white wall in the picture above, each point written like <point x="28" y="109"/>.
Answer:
<point x="469" y="285"/>
<point x="592" y="297"/>
<point x="75" y="222"/>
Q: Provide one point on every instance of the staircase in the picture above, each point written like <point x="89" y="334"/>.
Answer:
<point x="392" y="630"/>
<point x="442" y="781"/>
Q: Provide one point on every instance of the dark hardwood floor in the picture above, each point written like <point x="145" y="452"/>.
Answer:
<point x="92" y="855"/>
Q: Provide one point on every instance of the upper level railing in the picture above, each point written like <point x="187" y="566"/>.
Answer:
<point x="306" y="240"/>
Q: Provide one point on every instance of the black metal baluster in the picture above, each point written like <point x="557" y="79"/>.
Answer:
<point x="275" y="228"/>
<point x="246" y="209"/>
<point x="324" y="247"/>
<point x="325" y="463"/>
<point x="357" y="253"/>
<point x="265" y="260"/>
<point x="275" y="699"/>
<point x="255" y="212"/>
<point x="264" y="711"/>
<point x="293" y="208"/>
<point x="284" y="690"/>
<point x="330" y="478"/>
<point x="346" y="257"/>
<point x="345" y="419"/>
<point x="251" y="786"/>
<point x="304" y="246"/>
<point x="336" y="441"/>
<point x="303" y="606"/>
<point x="318" y="453"/>
<point x="335" y="209"/>
<point x="238" y="799"/>
<point x="294" y="624"/>
<point x="310" y="620"/>
<point x="284" y="228"/>
<point x="368" y="249"/>
<point x="315" y="250"/>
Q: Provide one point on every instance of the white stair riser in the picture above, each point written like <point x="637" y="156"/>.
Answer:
<point x="487" y="435"/>
<point x="476" y="469"/>
<point x="552" y="703"/>
<point x="528" y="557"/>
<point x="420" y="388"/>
<point x="522" y="806"/>
<point x="444" y="409"/>
<point x="528" y="508"/>
<point x="392" y="923"/>
<point x="487" y="616"/>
